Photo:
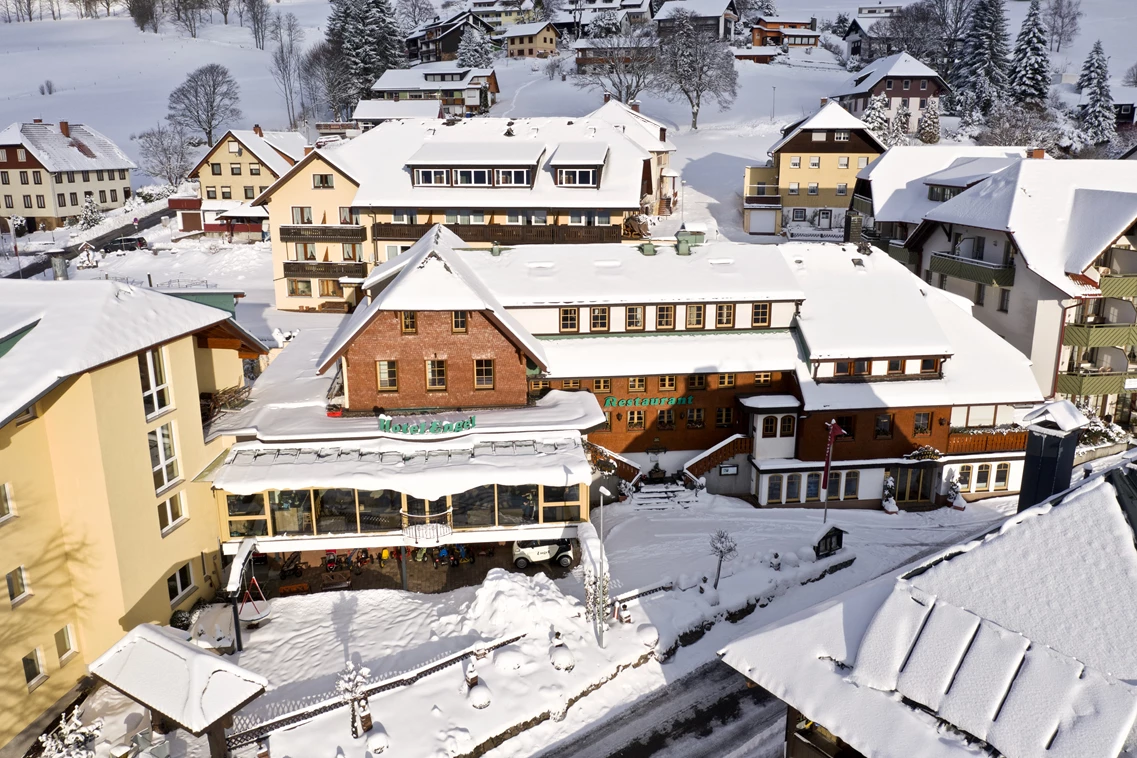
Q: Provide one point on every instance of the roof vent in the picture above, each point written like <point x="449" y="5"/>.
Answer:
<point x="859" y="263"/>
<point x="683" y="247"/>
<point x="495" y="250"/>
<point x="648" y="248"/>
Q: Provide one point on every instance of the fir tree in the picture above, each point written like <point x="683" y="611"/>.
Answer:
<point x="474" y="49"/>
<point x="894" y="135"/>
<point x="1099" y="123"/>
<point x="874" y="116"/>
<point x="338" y="21"/>
<point x="928" y="127"/>
<point x="90" y="216"/>
<point x="984" y="68"/>
<point x="371" y="43"/>
<point x="1030" y="65"/>
<point x="1095" y="64"/>
<point x="903" y="120"/>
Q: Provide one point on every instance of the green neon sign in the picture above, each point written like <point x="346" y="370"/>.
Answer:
<point x="389" y="426"/>
<point x="641" y="401"/>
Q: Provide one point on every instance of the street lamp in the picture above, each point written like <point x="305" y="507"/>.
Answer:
<point x="601" y="594"/>
<point x="773" y="101"/>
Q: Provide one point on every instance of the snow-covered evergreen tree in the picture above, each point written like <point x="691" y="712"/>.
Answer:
<point x="604" y="24"/>
<point x="475" y="48"/>
<point x="372" y="42"/>
<point x="1030" y="64"/>
<point x="1095" y="63"/>
<point x="1099" y="123"/>
<point x="351" y="684"/>
<point x="928" y="127"/>
<point x="71" y="739"/>
<point x="90" y="216"/>
<point x="903" y="120"/>
<point x="894" y="134"/>
<point x="338" y="21"/>
<point x="874" y="115"/>
<point x="984" y="68"/>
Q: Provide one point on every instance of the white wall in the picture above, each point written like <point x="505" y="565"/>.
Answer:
<point x="547" y="320"/>
<point x="871" y="485"/>
<point x="773" y="447"/>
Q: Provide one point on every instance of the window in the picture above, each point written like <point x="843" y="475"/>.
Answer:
<point x="348" y="215"/>
<point x="852" y="485"/>
<point x="41" y="203"/>
<point x="234" y="169"/>
<point x="1002" y="476"/>
<point x="3" y="177"/>
<point x="907" y="84"/>
<point x="964" y="479"/>
<point x="74" y="198"/>
<point x="818" y="136"/>
<point x="514" y="218"/>
<point x="799" y="214"/>
<point x="882" y="426"/>
<point x="787" y="426"/>
<point x="6" y="509"/>
<point x="483" y="374"/>
<point x="122" y="174"/>
<point x="812" y="188"/>
<point x="404" y="216"/>
<point x="760" y="315"/>
<point x="323" y="181"/>
<point x="352" y="251"/>
<point x="537" y="385"/>
<point x="8" y="201"/>
<point x="598" y="321"/>
<point x="667" y="383"/>
<point x="180" y="583"/>
<point x="61" y="200"/>
<point x="724" y="417"/>
<point x="666" y="419"/>
<point x="1004" y="300"/>
<point x="888" y="84"/>
<point x="305" y="251"/>
<point x="436" y="375"/>
<point x="696" y="418"/>
<point x="795" y="188"/>
<point x="795" y="161"/>
<point x="581" y="177"/>
<point x="387" y="376"/>
<point x="570" y="384"/>
<point x="665" y="317"/>
<point x="726" y="380"/>
<point x="847" y="424"/>
<point x="155" y="388"/>
<point x="793" y="487"/>
<point x="570" y="320"/>
<point x="922" y="427"/>
<point x="942" y="281"/>
<point x="233" y="146"/>
<point x="472" y="177"/>
<point x="637" y="384"/>
<point x="983" y="477"/>
<point x="813" y="486"/>
<point x="27" y="201"/>
<point x="842" y="189"/>
<point x="301" y="215"/>
<point x="432" y="176"/>
<point x="300" y="288"/>
<point x="697" y="382"/>
<point x="896" y="366"/>
<point x="87" y="174"/>
<point x="724" y="316"/>
<point x="930" y="365"/>
<point x="512" y="176"/>
<point x="980" y="294"/>
<point x="538" y="218"/>
<point x="857" y="367"/>
<point x="923" y="103"/>
<point x="114" y="195"/>
<point x="210" y="193"/>
<point x="254" y="169"/>
<point x="769" y="427"/>
<point x="607" y="421"/>
<point x="634" y="318"/>
<point x="458" y="322"/>
<point x="578" y="218"/>
<point x="774" y="489"/>
<point x="18" y="587"/>
<point x="841" y="135"/>
<point x="214" y="169"/>
<point x="762" y="377"/>
<point x="862" y="161"/>
<point x="163" y="456"/>
<point x="170" y="513"/>
<point x="815" y="161"/>
<point x="64" y="644"/>
<point x="408" y="322"/>
<point x="695" y="316"/>
<point x="331" y="288"/>
<point x="226" y="193"/>
<point x="635" y="420"/>
<point x="33" y="668"/>
<point x="602" y="385"/>
<point x="923" y="84"/>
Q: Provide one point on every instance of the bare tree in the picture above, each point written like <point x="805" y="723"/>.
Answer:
<point x="1061" y="18"/>
<point x="287" y="40"/>
<point x="915" y="29"/>
<point x="546" y="10"/>
<point x="414" y="12"/>
<point x="108" y="6"/>
<point x="259" y="18"/>
<point x="724" y="548"/>
<point x="165" y="152"/>
<point x="327" y="82"/>
<point x="188" y="15"/>
<point x="626" y="64"/>
<point x="223" y="7"/>
<point x="1013" y="124"/>
<point x="205" y="101"/>
<point x="144" y="13"/>
<point x="696" y="65"/>
<point x="1130" y="78"/>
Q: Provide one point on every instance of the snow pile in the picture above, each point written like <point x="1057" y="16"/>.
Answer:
<point x="479" y="696"/>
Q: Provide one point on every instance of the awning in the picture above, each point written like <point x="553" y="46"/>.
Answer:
<point x="770" y="402"/>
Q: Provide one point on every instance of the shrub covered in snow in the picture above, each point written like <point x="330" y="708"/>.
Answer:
<point x="151" y="192"/>
<point x="479" y="696"/>
<point x="90" y="216"/>
<point x="1099" y="431"/>
<point x="71" y="739"/>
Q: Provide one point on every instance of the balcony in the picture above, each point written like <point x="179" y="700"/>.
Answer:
<point x="762" y="196"/>
<point x="325" y="270"/>
<point x="1093" y="383"/>
<point x="1119" y="285"/>
<point x="862" y="205"/>
<point x="1100" y="335"/>
<point x="902" y="254"/>
<point x="314" y="233"/>
<point x="552" y="234"/>
<point x="986" y="441"/>
<point x="980" y="272"/>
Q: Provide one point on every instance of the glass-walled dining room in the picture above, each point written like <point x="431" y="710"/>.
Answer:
<point x="311" y="512"/>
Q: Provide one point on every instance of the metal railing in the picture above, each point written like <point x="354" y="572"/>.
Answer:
<point x="972" y="269"/>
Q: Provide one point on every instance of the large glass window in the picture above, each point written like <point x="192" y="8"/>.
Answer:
<point x="245" y="505"/>
<point x="155" y="389"/>
<point x="793" y="488"/>
<point x="516" y="504"/>
<point x="559" y="513"/>
<point x="380" y="510"/>
<point x="1002" y="476"/>
<point x="180" y="582"/>
<point x="335" y="511"/>
<point x="774" y="489"/>
<point x="570" y="494"/>
<point x="387" y="375"/>
<point x="163" y="457"/>
<point x="473" y="507"/>
<point x="476" y="176"/>
<point x="17" y="584"/>
<point x="291" y="511"/>
<point x="253" y="527"/>
<point x="834" y="490"/>
<point x="813" y="487"/>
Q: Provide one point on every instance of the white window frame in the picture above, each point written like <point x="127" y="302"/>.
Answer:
<point x="508" y="177"/>
<point x="41" y="676"/>
<point x="862" y="161"/>
<point x="473" y="175"/>
<point x="842" y="189"/>
<point x="428" y="176"/>
<point x="794" y="188"/>
<point x="843" y="161"/>
<point x="515" y="218"/>
<point x="576" y="173"/>
<point x="815" y="161"/>
<point x="841" y="135"/>
<point x="165" y="507"/>
<point x="812" y="189"/>
<point x="7" y="503"/>
<point x="404" y="216"/>
<point x="183" y="591"/>
<point x="25" y="585"/>
<point x="539" y="218"/>
<point x="72" y="649"/>
<point x="796" y="212"/>
<point x="164" y="461"/>
<point x="153" y="359"/>
<point x="795" y="161"/>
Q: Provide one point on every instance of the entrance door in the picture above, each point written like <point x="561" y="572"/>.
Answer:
<point x="824" y="219"/>
<point x="913" y="484"/>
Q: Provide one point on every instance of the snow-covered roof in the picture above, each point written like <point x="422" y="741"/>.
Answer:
<point x="770" y="402"/>
<point x="1061" y="415"/>
<point x="381" y="110"/>
<point x="1020" y="639"/>
<point x="525" y="30"/>
<point x="192" y="687"/>
<point x="700" y="8"/>
<point x="1061" y="214"/>
<point x="579" y="153"/>
<point x="414" y="78"/>
<point x="898" y="66"/>
<point x="831" y="117"/>
<point x="783" y="20"/>
<point x="645" y="132"/>
<point x="420" y="466"/>
<point x="83" y="150"/>
<point x="245" y="210"/>
<point x="899" y="178"/>
<point x="377" y="161"/>
<point x="75" y="326"/>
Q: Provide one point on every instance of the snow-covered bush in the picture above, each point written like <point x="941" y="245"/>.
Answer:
<point x="953" y="488"/>
<point x="71" y="739"/>
<point x="479" y="696"/>
<point x="1099" y="431"/>
<point x="180" y="619"/>
<point x="151" y="192"/>
<point x="90" y="216"/>
<point x="924" y="453"/>
<point x="888" y="496"/>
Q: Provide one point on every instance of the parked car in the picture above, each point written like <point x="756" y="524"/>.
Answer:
<point x="125" y="243"/>
<point x="535" y="551"/>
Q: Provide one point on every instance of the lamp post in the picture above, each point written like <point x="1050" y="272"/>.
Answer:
<point x="773" y="102"/>
<point x="601" y="594"/>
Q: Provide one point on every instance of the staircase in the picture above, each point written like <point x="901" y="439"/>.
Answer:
<point x="665" y="206"/>
<point x="662" y="497"/>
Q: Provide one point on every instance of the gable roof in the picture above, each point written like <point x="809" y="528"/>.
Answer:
<point x="644" y="131"/>
<point x="831" y="117"/>
<point x="900" y="65"/>
<point x="430" y="273"/>
<point x="524" y="30"/>
<point x="84" y="150"/>
<point x="414" y="78"/>
<point x="276" y="151"/>
<point x="701" y="8"/>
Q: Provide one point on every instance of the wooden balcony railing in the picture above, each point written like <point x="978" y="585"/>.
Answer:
<point x="325" y="270"/>
<point x="960" y="443"/>
<point x="972" y="270"/>
<point x="1092" y="383"/>
<point x="1100" y="335"/>
<point x="317" y="233"/>
<point x="552" y="234"/>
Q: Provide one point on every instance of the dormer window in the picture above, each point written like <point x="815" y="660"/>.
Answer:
<point x="512" y="177"/>
<point x="472" y="177"/>
<point x="858" y="367"/>
<point x="432" y="176"/>
<point x="580" y="177"/>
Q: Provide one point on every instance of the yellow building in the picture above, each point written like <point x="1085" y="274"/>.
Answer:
<point x="536" y="40"/>
<point x="804" y="190"/>
<point x="102" y="525"/>
<point x="351" y="205"/>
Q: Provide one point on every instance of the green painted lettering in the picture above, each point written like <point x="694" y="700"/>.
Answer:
<point x="609" y="401"/>
<point x="436" y="427"/>
<point x="473" y="422"/>
<point x="447" y="427"/>
<point x="672" y="400"/>
<point x="622" y="402"/>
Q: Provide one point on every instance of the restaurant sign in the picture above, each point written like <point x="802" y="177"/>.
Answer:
<point x="641" y="401"/>
<point x="389" y="426"/>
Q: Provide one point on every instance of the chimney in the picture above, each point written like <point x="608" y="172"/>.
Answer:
<point x="37" y="120"/>
<point x="663" y="134"/>
<point x="824" y="102"/>
<point x="65" y="128"/>
<point x="1053" y="430"/>
<point x="1037" y="153"/>
<point x="308" y="149"/>
<point x="635" y="105"/>
<point x="607" y="96"/>
<point x="58" y="264"/>
<point x="813" y="23"/>
<point x="257" y="130"/>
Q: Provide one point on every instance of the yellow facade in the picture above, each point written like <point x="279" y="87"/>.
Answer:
<point x="231" y="172"/>
<point x="85" y="529"/>
<point x="539" y="45"/>
<point x="799" y="179"/>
